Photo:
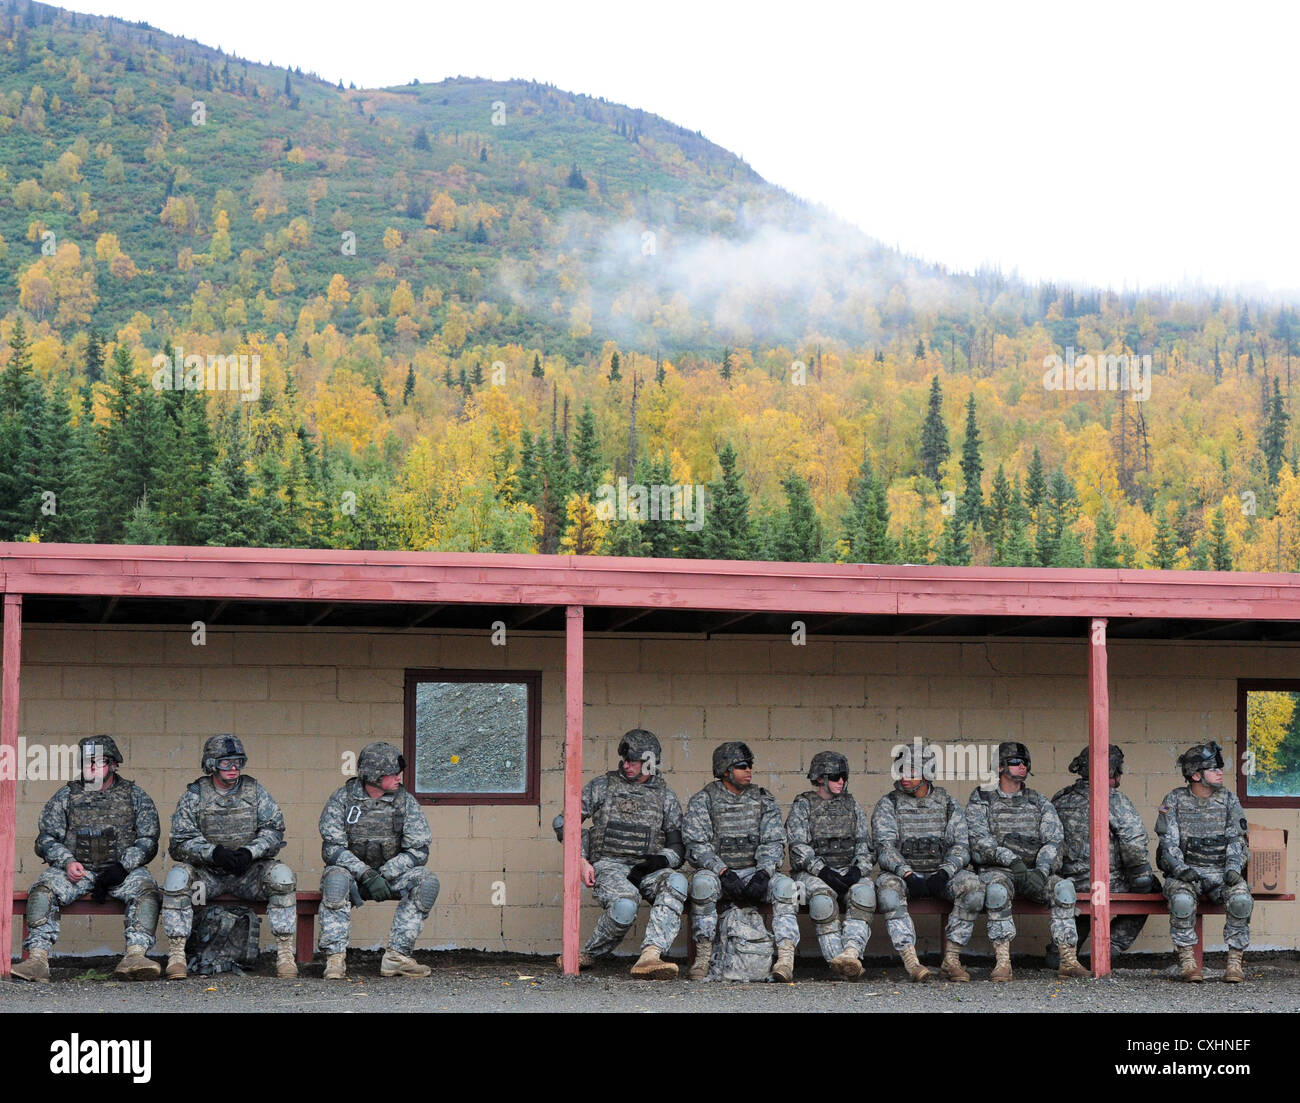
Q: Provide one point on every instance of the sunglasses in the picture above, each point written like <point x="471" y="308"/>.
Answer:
<point x="837" y="777"/>
<point x="742" y="765"/>
<point x="1016" y="762"/>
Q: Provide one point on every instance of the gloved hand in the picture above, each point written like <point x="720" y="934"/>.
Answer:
<point x="224" y="858"/>
<point x="852" y="876"/>
<point x="242" y="859"/>
<point x="1190" y="876"/>
<point x="105" y="879"/>
<point x="646" y="866"/>
<point x="732" y="886"/>
<point x="1019" y="871"/>
<point x="1232" y="877"/>
<point x="839" y="885"/>
<point x="938" y="881"/>
<point x="916" y="886"/>
<point x="1036" y="886"/>
<point x="756" y="889"/>
<point x="1146" y="882"/>
<point x="374" y="887"/>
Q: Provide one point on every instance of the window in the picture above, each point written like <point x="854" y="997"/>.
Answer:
<point x="1268" y="741"/>
<point x="473" y="736"/>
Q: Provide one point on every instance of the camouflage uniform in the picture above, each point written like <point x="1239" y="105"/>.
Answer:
<point x="1208" y="838"/>
<point x="833" y="834"/>
<point x="741" y="832"/>
<point x="632" y="820"/>
<point x="245" y="817"/>
<point x="924" y="835"/>
<point x="96" y="826"/>
<point x="361" y="834"/>
<point x="1130" y="864"/>
<point x="1022" y="826"/>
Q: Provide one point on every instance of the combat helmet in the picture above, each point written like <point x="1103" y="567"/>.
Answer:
<point x="1079" y="763"/>
<point x="826" y="763"/>
<point x="640" y="745"/>
<point x="99" y="746"/>
<point x="379" y="760"/>
<point x="1011" y="749"/>
<point x="1198" y="759"/>
<point x="222" y="746"/>
<point x="730" y="754"/>
<point x="915" y="759"/>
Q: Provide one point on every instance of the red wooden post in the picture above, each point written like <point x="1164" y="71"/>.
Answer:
<point x="12" y="655"/>
<point x="572" y="784"/>
<point x="1099" y="796"/>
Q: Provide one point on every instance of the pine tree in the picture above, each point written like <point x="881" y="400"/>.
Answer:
<point x="934" y="435"/>
<point x="954" y="547"/>
<point x="1220" y="547"/>
<point x="615" y="373"/>
<point x="798" y="532"/>
<point x="998" y="512"/>
<point x="22" y="413"/>
<point x="659" y="371"/>
<point x="184" y="468"/>
<point x="586" y="453"/>
<point x="728" y="530"/>
<point x="94" y="356"/>
<point x="1035" y="483"/>
<point x="408" y="391"/>
<point x="1274" y="442"/>
<point x="1165" y="546"/>
<point x="914" y="546"/>
<point x="537" y="367"/>
<point x="726" y="364"/>
<point x="866" y="524"/>
<point x="970" y="511"/>
<point x="1105" y="552"/>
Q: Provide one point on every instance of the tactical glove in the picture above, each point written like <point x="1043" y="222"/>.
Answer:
<point x="756" y="889"/>
<point x="1232" y="877"/>
<point x="916" y="886"/>
<point x="224" y="858"/>
<point x="107" y="878"/>
<point x="1145" y="882"/>
<point x="1036" y="886"/>
<point x="1019" y="871"/>
<point x="937" y="881"/>
<point x="852" y="876"/>
<point x="646" y="866"/>
<point x="242" y="859"/>
<point x="732" y="885"/>
<point x="374" y="887"/>
<point x="1190" y="876"/>
<point x="838" y="884"/>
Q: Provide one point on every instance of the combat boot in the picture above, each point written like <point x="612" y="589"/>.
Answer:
<point x="135" y="966"/>
<point x="915" y="970"/>
<point x="952" y="966"/>
<point x="585" y="960"/>
<point x="286" y="965"/>
<point x="783" y="970"/>
<point x="1070" y="967"/>
<point x="703" y="955"/>
<point x="176" y="966"/>
<point x="35" y="968"/>
<point x="846" y="965"/>
<point x="336" y="967"/>
<point x="394" y="964"/>
<point x="651" y="966"/>
<point x="1187" y="959"/>
<point x="1232" y="972"/>
<point x="1001" y="961"/>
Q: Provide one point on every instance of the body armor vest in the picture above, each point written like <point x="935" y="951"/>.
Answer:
<point x="228" y="819"/>
<point x="922" y="827"/>
<point x="832" y="828"/>
<point x="1014" y="823"/>
<point x="1204" y="828"/>
<point x="101" y="823"/>
<point x="1072" y="806"/>
<point x="374" y="827"/>
<point x="630" y="821"/>
<point x="737" y="824"/>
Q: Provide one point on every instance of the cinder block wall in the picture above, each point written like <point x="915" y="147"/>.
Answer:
<point x="301" y="699"/>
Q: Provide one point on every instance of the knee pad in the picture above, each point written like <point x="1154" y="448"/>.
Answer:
<point x="280" y="878"/>
<point x="889" y="900"/>
<point x="782" y="887"/>
<point x="177" y="881"/>
<point x="623" y="911"/>
<point x="996" y="895"/>
<point x="1239" y="905"/>
<point x="821" y="906"/>
<point x="863" y="895"/>
<point x="1064" y="892"/>
<point x="675" y="884"/>
<point x="426" y="892"/>
<point x="705" y="887"/>
<point x="1182" y="905"/>
<point x="148" y="908"/>
<point x="334" y="886"/>
<point x="973" y="899"/>
<point x="39" y="903"/>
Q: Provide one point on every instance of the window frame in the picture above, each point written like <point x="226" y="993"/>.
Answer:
<point x="1245" y="686"/>
<point x="530" y="678"/>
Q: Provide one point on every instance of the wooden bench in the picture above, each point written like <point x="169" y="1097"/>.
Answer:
<point x="308" y="905"/>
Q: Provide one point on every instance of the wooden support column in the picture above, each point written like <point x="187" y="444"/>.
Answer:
<point x="572" y="784"/>
<point x="1099" y="796"/>
<point x="12" y="654"/>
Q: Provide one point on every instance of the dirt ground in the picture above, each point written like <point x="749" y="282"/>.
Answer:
<point x="482" y="982"/>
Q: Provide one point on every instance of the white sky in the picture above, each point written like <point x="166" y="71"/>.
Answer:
<point x="1120" y="144"/>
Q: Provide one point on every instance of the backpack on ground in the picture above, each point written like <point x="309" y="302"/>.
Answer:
<point x="745" y="947"/>
<point x="224" y="939"/>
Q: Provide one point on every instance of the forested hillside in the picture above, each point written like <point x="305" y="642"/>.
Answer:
<point x="464" y="308"/>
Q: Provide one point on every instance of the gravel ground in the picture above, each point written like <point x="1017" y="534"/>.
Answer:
<point x="464" y="981"/>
